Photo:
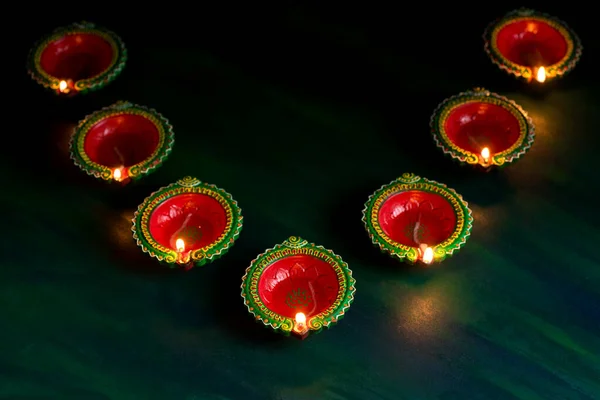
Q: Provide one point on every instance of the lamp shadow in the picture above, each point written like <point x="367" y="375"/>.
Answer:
<point x="130" y="196"/>
<point x="64" y="171"/>
<point x="346" y="226"/>
<point x="115" y="236"/>
<point x="483" y="188"/>
<point x="223" y="280"/>
<point x="48" y="135"/>
<point x="50" y="149"/>
<point x="507" y="83"/>
<point x="427" y="160"/>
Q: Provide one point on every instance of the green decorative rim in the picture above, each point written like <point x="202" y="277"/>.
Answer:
<point x="443" y="110"/>
<point x="294" y="246"/>
<point x="84" y="85"/>
<point x="199" y="257"/>
<point x="134" y="172"/>
<point x="574" y="47"/>
<point x="408" y="181"/>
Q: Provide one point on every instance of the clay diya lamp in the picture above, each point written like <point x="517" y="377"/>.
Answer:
<point x="187" y="223"/>
<point x="122" y="142"/>
<point x="77" y="58"/>
<point x="417" y="220"/>
<point x="482" y="128"/>
<point x="532" y="45"/>
<point x="298" y="288"/>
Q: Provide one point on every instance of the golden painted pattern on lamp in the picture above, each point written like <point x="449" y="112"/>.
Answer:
<point x="316" y="322"/>
<point x="410" y="181"/>
<point x="407" y="177"/>
<point x="525" y="71"/>
<point x="412" y="253"/>
<point x="82" y="83"/>
<point x="195" y="255"/>
<point x="188" y="181"/>
<point x="106" y="172"/>
<point x="474" y="158"/>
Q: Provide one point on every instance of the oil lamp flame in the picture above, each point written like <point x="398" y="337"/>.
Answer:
<point x="428" y="255"/>
<point x="485" y="154"/>
<point x="117" y="174"/>
<point x="300" y="327"/>
<point x="180" y="245"/>
<point x="540" y="75"/>
<point x="62" y="86"/>
<point x="300" y="319"/>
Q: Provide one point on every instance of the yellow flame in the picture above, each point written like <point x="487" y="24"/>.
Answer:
<point x="428" y="255"/>
<point x="62" y="86"/>
<point x="117" y="174"/>
<point x="540" y="76"/>
<point x="485" y="154"/>
<point x="180" y="245"/>
<point x="300" y="318"/>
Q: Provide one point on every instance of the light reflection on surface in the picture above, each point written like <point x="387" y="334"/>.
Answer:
<point x="486" y="218"/>
<point x="551" y="135"/>
<point x="429" y="313"/>
<point x="119" y="227"/>
<point x="423" y="315"/>
<point x="544" y="133"/>
<point x="400" y="208"/>
<point x="532" y="27"/>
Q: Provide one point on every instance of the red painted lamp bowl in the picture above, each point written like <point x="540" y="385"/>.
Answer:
<point x="482" y="128"/>
<point x="187" y="223"/>
<point x="298" y="288"/>
<point x="122" y="142"/>
<point x="77" y="58"/>
<point x="532" y="45"/>
<point x="417" y="220"/>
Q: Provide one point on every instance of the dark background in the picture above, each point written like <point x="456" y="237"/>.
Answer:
<point x="302" y="111"/>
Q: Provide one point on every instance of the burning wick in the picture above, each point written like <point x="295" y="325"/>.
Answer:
<point x="485" y="155"/>
<point x="426" y="254"/>
<point x="180" y="245"/>
<point x="300" y="326"/>
<point x="117" y="174"/>
<point x="540" y="75"/>
<point x="181" y="258"/>
<point x="63" y="87"/>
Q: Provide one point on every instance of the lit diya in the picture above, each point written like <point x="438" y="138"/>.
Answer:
<point x="187" y="223"/>
<point x="482" y="128"/>
<point x="77" y="58"/>
<point x="298" y="288"/>
<point x="532" y="45"/>
<point x="417" y="220"/>
<point x="122" y="142"/>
